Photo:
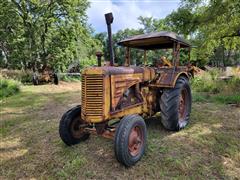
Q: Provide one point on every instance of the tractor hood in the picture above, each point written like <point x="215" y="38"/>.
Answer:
<point x="111" y="70"/>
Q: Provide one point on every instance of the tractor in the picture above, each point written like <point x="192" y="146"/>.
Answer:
<point x="115" y="100"/>
<point x="45" y="75"/>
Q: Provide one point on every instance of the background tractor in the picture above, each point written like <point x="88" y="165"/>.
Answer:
<point x="45" y="75"/>
<point x="115" y="99"/>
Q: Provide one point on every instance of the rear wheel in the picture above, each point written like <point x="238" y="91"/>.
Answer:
<point x="71" y="127"/>
<point x="55" y="79"/>
<point x="35" y="80"/>
<point x="130" y="140"/>
<point x="176" y="104"/>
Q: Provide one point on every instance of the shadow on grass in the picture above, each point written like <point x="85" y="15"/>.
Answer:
<point x="208" y="147"/>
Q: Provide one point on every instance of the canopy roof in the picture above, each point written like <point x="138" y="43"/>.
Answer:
<point x="156" y="40"/>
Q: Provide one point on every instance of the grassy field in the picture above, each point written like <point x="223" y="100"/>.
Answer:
<point x="208" y="148"/>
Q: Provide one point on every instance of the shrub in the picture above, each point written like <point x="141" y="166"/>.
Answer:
<point x="205" y="83"/>
<point x="70" y="79"/>
<point x="209" y="87"/>
<point x="234" y="84"/>
<point x="23" y="76"/>
<point x="8" y="87"/>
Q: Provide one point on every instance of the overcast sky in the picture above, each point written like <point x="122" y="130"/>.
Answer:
<point x="126" y="12"/>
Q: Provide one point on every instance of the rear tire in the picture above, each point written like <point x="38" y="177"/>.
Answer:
<point x="130" y="140"/>
<point x="176" y="105"/>
<point x="69" y="129"/>
<point x="55" y="79"/>
<point x="35" y="80"/>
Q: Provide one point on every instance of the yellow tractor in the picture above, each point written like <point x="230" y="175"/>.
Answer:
<point x="116" y="99"/>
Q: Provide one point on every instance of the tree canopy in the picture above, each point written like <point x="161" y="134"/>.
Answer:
<point x="37" y="33"/>
<point x="211" y="26"/>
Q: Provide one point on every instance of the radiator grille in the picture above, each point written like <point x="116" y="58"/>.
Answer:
<point x="92" y="97"/>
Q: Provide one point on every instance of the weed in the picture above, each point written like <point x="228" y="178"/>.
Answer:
<point x="8" y="87"/>
<point x="209" y="88"/>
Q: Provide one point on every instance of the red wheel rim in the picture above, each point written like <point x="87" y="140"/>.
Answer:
<point x="182" y="105"/>
<point x="135" y="141"/>
<point x="75" y="128"/>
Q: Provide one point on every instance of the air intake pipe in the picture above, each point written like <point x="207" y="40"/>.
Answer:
<point x="109" y="20"/>
<point x="99" y="55"/>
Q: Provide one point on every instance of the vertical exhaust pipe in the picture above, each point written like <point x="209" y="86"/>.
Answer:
<point x="109" y="20"/>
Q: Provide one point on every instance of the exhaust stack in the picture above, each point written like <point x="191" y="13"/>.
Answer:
<point x="109" y="20"/>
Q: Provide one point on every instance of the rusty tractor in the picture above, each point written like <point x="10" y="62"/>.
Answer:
<point x="46" y="75"/>
<point x="115" y="99"/>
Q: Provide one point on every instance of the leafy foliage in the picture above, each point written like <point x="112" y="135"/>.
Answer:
<point x="36" y="33"/>
<point x="209" y="87"/>
<point x="39" y="33"/>
<point x="212" y="26"/>
<point x="8" y="87"/>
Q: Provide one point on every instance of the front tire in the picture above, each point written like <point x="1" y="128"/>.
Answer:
<point x="176" y="105"/>
<point x="70" y="127"/>
<point x="130" y="140"/>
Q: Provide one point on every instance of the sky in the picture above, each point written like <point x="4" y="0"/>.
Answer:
<point x="126" y="12"/>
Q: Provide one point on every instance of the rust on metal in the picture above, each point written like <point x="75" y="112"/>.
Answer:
<point x="106" y="133"/>
<point x="182" y="105"/>
<point x="135" y="141"/>
<point x="155" y="40"/>
<point x="99" y="56"/>
<point x="110" y="92"/>
<point x="145" y="57"/>
<point x="127" y="57"/>
<point x="109" y="20"/>
<point x="77" y="128"/>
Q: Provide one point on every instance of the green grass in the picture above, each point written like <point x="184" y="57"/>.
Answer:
<point x="70" y="78"/>
<point x="31" y="147"/>
<point x="228" y="99"/>
<point x="217" y="98"/>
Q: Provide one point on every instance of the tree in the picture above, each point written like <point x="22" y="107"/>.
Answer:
<point x="211" y="25"/>
<point x="40" y="33"/>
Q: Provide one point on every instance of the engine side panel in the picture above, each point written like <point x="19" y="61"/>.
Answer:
<point x="120" y="83"/>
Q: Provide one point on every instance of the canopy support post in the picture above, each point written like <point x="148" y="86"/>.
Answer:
<point x="145" y="57"/>
<point x="127" y="57"/>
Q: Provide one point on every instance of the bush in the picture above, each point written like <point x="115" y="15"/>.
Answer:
<point x="8" y="87"/>
<point x="205" y="83"/>
<point x="70" y="79"/>
<point x="209" y="87"/>
<point x="234" y="84"/>
<point x="23" y="76"/>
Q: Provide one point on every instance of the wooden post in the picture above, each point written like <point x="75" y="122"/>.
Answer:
<point x="174" y="54"/>
<point x="178" y="54"/>
<point x="127" y="57"/>
<point x="145" y="57"/>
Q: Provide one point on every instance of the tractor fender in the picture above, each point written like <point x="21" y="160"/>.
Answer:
<point x="184" y="74"/>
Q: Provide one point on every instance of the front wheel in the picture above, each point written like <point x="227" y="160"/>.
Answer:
<point x="130" y="140"/>
<point x="176" y="105"/>
<point x="71" y="127"/>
